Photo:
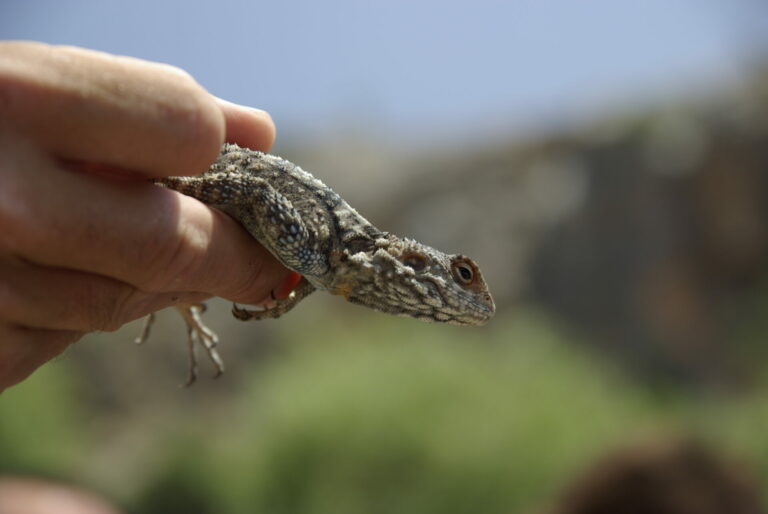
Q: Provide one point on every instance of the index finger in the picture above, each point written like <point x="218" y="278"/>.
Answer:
<point x="90" y="106"/>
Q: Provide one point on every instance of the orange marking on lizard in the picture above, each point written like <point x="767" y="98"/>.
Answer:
<point x="288" y="285"/>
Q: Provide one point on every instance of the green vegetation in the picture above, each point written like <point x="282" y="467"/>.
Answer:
<point x="422" y="420"/>
<point x="41" y="425"/>
<point x="382" y="416"/>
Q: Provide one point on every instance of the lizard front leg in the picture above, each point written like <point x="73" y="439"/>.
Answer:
<point x="280" y="307"/>
<point x="268" y="215"/>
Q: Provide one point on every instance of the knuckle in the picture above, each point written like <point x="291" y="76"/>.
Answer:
<point x="180" y="74"/>
<point x="19" y="221"/>
<point x="177" y="261"/>
<point x="200" y="123"/>
<point x="10" y="296"/>
<point x="15" y="225"/>
<point x="202" y="137"/>
<point x="13" y="201"/>
<point x="111" y="314"/>
<point x="103" y="305"/>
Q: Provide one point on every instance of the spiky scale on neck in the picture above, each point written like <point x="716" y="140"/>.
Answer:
<point x="407" y="278"/>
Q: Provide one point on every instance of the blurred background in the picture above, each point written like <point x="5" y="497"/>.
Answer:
<point x="606" y="164"/>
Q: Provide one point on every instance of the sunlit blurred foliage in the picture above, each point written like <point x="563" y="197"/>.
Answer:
<point x="42" y="426"/>
<point x="376" y="415"/>
<point x="409" y="418"/>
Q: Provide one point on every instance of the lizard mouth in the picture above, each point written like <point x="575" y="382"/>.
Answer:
<point x="482" y="311"/>
<point x="485" y="313"/>
<point x="465" y="308"/>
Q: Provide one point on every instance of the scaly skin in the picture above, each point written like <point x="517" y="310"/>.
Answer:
<point x="313" y="231"/>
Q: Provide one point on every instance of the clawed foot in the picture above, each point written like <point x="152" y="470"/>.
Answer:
<point x="275" y="308"/>
<point x="197" y="334"/>
<point x="145" y="329"/>
<point x="200" y="335"/>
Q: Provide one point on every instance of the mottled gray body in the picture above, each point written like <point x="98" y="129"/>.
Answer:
<point x="313" y="231"/>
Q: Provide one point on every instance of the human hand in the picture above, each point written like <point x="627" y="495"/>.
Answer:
<point x="86" y="241"/>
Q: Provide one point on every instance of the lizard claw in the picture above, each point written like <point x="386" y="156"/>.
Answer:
<point x="247" y="314"/>
<point x="274" y="308"/>
<point x="199" y="335"/>
<point x="145" y="329"/>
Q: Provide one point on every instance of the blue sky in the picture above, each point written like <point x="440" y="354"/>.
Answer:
<point x="421" y="69"/>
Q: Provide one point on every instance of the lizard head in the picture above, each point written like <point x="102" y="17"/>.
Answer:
<point x="405" y="277"/>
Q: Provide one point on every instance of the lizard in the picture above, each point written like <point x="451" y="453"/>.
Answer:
<point x="312" y="231"/>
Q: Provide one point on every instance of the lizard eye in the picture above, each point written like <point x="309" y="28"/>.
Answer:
<point x="415" y="261"/>
<point x="463" y="273"/>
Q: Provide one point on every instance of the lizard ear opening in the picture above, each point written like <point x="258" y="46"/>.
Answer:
<point x="415" y="261"/>
<point x="360" y="244"/>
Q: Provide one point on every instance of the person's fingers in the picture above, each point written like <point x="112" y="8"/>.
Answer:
<point x="248" y="127"/>
<point x="61" y="299"/>
<point x="118" y="111"/>
<point x="135" y="232"/>
<point x="31" y="348"/>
